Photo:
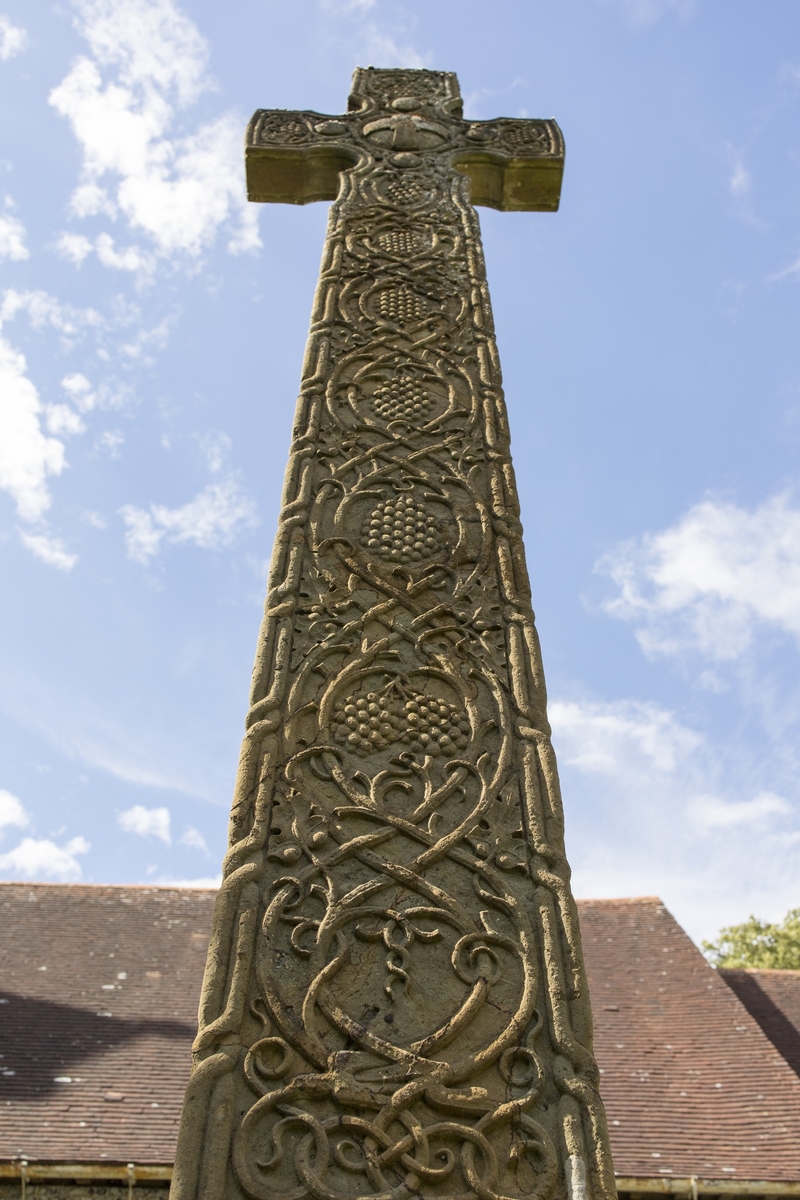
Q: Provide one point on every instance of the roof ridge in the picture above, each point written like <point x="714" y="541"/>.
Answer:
<point x="119" y="887"/>
<point x="760" y="970"/>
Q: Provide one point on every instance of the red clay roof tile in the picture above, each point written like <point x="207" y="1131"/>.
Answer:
<point x="773" y="998"/>
<point x="691" y="1083"/>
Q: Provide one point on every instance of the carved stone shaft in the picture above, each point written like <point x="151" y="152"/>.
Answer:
<point x="395" y="1002"/>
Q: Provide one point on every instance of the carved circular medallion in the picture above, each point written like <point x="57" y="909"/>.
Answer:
<point x="275" y="127"/>
<point x="524" y="136"/>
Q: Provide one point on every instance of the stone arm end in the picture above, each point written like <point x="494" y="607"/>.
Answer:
<point x="513" y="166"/>
<point x="295" y="157"/>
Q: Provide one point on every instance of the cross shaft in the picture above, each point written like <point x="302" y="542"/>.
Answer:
<point x="395" y="1003"/>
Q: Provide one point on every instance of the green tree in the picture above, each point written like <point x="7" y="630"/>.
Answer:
<point x="757" y="943"/>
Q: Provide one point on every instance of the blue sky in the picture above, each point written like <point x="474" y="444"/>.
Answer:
<point x="152" y="331"/>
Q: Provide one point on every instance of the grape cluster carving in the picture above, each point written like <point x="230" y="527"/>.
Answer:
<point x="401" y="530"/>
<point x="400" y="304"/>
<point x="399" y="241"/>
<point x="398" y="715"/>
<point x="405" y="191"/>
<point x="402" y="398"/>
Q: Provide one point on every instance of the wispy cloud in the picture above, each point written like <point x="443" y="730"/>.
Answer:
<point x="712" y="580"/>
<point x="792" y="271"/>
<point x="194" y="839"/>
<point x="388" y="50"/>
<point x="740" y="181"/>
<point x="347" y="7"/>
<point x="642" y="14"/>
<point x="709" y="812"/>
<point x="49" y="549"/>
<point x="147" y="64"/>
<point x="211" y="520"/>
<point x="132" y="746"/>
<point x="46" y="311"/>
<point x="13" y="39"/>
<point x="374" y="36"/>
<point x="740" y="186"/>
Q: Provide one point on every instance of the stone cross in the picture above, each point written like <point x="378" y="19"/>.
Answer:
<point x="395" y="1002"/>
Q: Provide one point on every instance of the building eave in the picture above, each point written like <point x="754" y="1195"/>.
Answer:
<point x="694" y="1185"/>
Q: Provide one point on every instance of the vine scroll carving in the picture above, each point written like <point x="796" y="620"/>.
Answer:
<point x="395" y="1003"/>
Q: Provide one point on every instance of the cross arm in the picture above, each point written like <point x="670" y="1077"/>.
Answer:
<point x="513" y="165"/>
<point x="295" y="157"/>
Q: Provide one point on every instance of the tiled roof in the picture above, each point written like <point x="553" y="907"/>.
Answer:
<point x="691" y="1084"/>
<point x="773" y="998"/>
<point x="101" y="985"/>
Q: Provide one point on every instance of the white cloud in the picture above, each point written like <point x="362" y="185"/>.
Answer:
<point x="13" y="39"/>
<point x="27" y="455"/>
<point x="49" y="550"/>
<point x="712" y="580"/>
<point x="210" y="521"/>
<point x="74" y="247"/>
<point x="42" y="859"/>
<point x="11" y="811"/>
<point x="78" y="388"/>
<point x="89" y="200"/>
<point x="146" y="822"/>
<point x="86" y="396"/>
<point x="148" y="61"/>
<point x="598" y="737"/>
<point x="194" y="839"/>
<point x="12" y="236"/>
<point x="206" y="881"/>
<point x="130" y="258"/>
<point x="62" y="420"/>
<point x="652" y="807"/>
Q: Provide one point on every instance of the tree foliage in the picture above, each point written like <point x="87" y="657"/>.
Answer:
<point x="757" y="943"/>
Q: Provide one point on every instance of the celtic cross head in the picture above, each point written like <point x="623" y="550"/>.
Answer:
<point x="397" y="119"/>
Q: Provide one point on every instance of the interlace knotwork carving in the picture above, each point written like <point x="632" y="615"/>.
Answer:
<point x="395" y="1005"/>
